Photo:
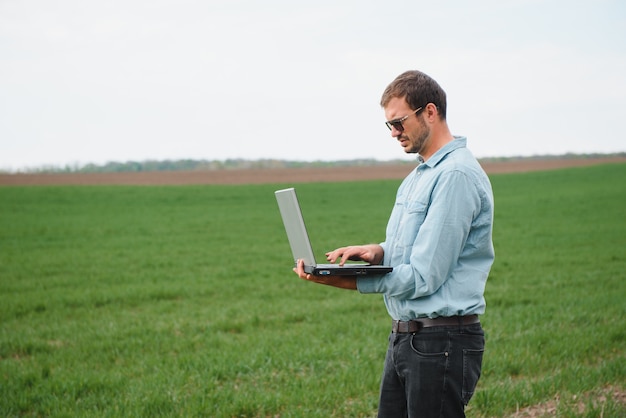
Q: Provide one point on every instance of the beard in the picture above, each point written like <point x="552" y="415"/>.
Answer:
<point x="419" y="142"/>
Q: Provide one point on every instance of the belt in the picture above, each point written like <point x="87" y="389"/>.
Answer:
<point x="415" y="325"/>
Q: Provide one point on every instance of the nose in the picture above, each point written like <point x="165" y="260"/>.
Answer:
<point x="395" y="133"/>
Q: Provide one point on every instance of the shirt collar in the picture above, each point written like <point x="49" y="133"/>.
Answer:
<point x="456" y="143"/>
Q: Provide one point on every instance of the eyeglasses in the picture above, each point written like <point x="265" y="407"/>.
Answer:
<point x="397" y="123"/>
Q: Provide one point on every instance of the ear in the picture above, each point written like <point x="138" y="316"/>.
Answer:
<point x="431" y="112"/>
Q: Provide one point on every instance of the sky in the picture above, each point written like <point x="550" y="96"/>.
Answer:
<point x="133" y="80"/>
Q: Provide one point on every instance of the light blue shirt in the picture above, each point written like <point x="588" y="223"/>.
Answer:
<point x="438" y="239"/>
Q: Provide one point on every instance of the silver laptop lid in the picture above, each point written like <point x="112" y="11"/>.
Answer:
<point x="294" y="225"/>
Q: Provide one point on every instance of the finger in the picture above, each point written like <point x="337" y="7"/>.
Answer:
<point x="299" y="269"/>
<point x="348" y="254"/>
<point x="332" y="256"/>
<point x="301" y="272"/>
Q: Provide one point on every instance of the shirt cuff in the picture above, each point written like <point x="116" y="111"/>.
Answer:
<point x="369" y="284"/>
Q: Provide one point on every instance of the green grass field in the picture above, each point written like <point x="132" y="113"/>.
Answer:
<point x="180" y="301"/>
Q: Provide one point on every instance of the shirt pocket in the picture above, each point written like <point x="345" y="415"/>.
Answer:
<point x="412" y="220"/>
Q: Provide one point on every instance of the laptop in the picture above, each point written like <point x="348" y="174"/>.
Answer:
<point x="301" y="246"/>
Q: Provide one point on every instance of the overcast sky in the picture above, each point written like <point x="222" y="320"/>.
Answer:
<point x="96" y="81"/>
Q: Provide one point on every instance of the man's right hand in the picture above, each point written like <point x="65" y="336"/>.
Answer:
<point x="371" y="253"/>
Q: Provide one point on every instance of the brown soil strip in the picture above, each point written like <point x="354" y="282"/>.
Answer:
<point x="280" y="175"/>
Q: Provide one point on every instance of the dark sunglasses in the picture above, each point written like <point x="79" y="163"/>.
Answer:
<point x="397" y="123"/>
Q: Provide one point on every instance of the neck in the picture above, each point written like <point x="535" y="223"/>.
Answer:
<point x="440" y="136"/>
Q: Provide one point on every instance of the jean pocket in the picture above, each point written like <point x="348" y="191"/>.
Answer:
<point x="427" y="347"/>
<point x="472" y="364"/>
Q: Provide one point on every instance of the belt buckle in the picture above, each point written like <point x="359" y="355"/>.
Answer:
<point x="418" y="324"/>
<point x="407" y="327"/>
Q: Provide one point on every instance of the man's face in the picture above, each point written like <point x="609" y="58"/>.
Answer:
<point x="415" y="134"/>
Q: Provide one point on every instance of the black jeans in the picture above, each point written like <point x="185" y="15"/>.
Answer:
<point x="432" y="373"/>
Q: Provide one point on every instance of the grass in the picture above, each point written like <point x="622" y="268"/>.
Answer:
<point x="180" y="301"/>
<point x="556" y="293"/>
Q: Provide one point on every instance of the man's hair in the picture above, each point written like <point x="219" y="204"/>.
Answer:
<point x="418" y="89"/>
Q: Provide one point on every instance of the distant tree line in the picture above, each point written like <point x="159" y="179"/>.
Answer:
<point x="203" y="165"/>
<point x="230" y="164"/>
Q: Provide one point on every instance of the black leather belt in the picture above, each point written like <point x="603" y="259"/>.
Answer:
<point x="415" y="325"/>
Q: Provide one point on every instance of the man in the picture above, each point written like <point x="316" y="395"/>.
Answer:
<point x="439" y="243"/>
